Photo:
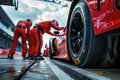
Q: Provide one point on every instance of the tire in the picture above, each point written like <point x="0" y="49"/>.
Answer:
<point x="51" y="47"/>
<point x="85" y="49"/>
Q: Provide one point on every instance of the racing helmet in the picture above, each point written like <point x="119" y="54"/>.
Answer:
<point x="56" y="22"/>
<point x="29" y="21"/>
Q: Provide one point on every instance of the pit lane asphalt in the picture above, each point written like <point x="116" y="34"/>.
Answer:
<point x="18" y="69"/>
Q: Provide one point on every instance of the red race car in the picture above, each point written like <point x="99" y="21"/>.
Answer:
<point x="46" y="51"/>
<point x="92" y="36"/>
<point x="4" y="52"/>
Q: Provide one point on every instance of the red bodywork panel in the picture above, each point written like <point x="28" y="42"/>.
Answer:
<point x="107" y="19"/>
<point x="4" y="52"/>
<point x="62" y="53"/>
<point x="46" y="52"/>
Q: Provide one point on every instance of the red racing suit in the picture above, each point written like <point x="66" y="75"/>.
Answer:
<point x="46" y="51"/>
<point x="33" y="41"/>
<point x="44" y="27"/>
<point x="20" y="31"/>
<point x="47" y="25"/>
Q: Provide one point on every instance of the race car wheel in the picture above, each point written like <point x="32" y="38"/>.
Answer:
<point x="84" y="48"/>
<point x="50" y="50"/>
<point x="51" y="47"/>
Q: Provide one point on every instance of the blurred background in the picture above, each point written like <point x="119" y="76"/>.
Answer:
<point x="37" y="11"/>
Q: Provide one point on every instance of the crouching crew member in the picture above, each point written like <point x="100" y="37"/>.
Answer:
<point x="37" y="36"/>
<point x="44" y="27"/>
<point x="21" y="30"/>
<point x="33" y="42"/>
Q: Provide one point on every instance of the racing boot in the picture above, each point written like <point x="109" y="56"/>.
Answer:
<point x="29" y="56"/>
<point x="39" y="58"/>
<point x="10" y="56"/>
<point x="24" y="57"/>
<point x="32" y="58"/>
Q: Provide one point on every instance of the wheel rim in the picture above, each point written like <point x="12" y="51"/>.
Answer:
<point x="76" y="34"/>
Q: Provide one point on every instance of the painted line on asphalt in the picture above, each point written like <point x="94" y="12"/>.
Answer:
<point x="58" y="72"/>
<point x="88" y="74"/>
<point x="74" y="74"/>
<point x="18" y="77"/>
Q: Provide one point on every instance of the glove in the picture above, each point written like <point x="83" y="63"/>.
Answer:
<point x="62" y="27"/>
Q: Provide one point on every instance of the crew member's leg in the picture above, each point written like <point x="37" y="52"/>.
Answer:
<point x="36" y="43"/>
<point x="24" y="45"/>
<point x="41" y="43"/>
<point x="14" y="43"/>
<point x="40" y="36"/>
<point x="31" y="46"/>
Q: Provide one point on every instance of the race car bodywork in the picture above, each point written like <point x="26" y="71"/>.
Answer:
<point x="4" y="52"/>
<point x="46" y="52"/>
<point x="92" y="36"/>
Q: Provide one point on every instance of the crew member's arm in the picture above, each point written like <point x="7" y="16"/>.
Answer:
<point x="55" y="26"/>
<point x="50" y="33"/>
<point x="61" y="34"/>
<point x="55" y="34"/>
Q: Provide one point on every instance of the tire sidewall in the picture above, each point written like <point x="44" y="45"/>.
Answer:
<point x="83" y="9"/>
<point x="50" y="51"/>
